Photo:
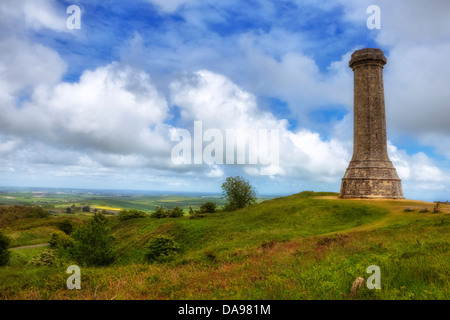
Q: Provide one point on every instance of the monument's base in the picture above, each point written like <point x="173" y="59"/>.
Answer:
<point x="371" y="189"/>
<point x="371" y="179"/>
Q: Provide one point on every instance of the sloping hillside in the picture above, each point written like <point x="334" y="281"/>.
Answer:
<point x="305" y="246"/>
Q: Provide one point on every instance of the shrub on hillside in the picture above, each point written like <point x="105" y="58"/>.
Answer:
<point x="60" y="240"/>
<point x="197" y="215"/>
<point x="160" y="212"/>
<point x="175" y="212"/>
<point x="4" y="252"/>
<point x="131" y="214"/>
<point x="37" y="212"/>
<point x="45" y="258"/>
<point x="162" y="248"/>
<point x="208" y="207"/>
<point x="65" y="226"/>
<point x="93" y="243"/>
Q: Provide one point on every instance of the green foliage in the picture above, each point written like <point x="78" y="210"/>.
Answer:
<point x="176" y="212"/>
<point x="9" y="214"/>
<point x="86" y="209"/>
<point x="93" y="243"/>
<point x="98" y="217"/>
<point x="131" y="214"/>
<point x="208" y="207"/>
<point x="37" y="212"/>
<point x="159" y="213"/>
<point x="60" y="240"/>
<point x="238" y="192"/>
<point x="4" y="252"/>
<point x="68" y="210"/>
<point x="45" y="258"/>
<point x="196" y="214"/>
<point x="65" y="226"/>
<point x="162" y="248"/>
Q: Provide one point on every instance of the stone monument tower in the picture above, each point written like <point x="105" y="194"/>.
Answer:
<point x="370" y="173"/>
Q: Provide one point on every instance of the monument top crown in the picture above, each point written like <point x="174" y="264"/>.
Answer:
<point x="367" y="56"/>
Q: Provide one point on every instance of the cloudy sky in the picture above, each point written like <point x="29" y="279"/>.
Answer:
<point x="106" y="106"/>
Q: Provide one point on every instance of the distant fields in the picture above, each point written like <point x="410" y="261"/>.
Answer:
<point x="58" y="201"/>
<point x="305" y="246"/>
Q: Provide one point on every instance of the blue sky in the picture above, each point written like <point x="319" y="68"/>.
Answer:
<point x="96" y="107"/>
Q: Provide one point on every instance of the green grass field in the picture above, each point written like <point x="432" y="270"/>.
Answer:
<point x="305" y="246"/>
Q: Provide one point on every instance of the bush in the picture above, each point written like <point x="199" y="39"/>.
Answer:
<point x="238" y="192"/>
<point x="11" y="213"/>
<point x="162" y="248"/>
<point x="65" y="226"/>
<point x="4" y="252"/>
<point x="160" y="212"/>
<point x="37" y="212"/>
<point x="93" y="243"/>
<point x="60" y="240"/>
<point x="131" y="214"/>
<point x="176" y="212"/>
<point x="208" y="207"/>
<point x="45" y="258"/>
<point x="86" y="209"/>
<point x="197" y="215"/>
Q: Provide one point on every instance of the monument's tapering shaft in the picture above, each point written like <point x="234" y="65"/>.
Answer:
<point x="370" y="173"/>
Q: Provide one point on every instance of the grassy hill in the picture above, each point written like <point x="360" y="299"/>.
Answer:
<point x="305" y="246"/>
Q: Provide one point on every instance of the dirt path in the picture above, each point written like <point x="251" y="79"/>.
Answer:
<point x="32" y="246"/>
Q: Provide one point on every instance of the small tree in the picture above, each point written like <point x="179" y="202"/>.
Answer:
<point x="160" y="212"/>
<point x="4" y="252"/>
<point x="131" y="214"/>
<point x="37" y="212"/>
<point x="176" y="212"/>
<point x="45" y="258"/>
<point x="93" y="242"/>
<point x="208" y="207"/>
<point x="238" y="192"/>
<point x="162" y="248"/>
<point x="86" y="209"/>
<point x="60" y="240"/>
<point x="65" y="226"/>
